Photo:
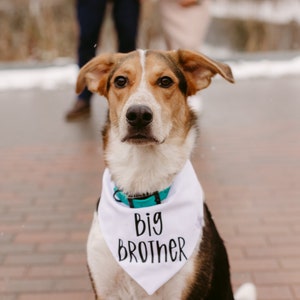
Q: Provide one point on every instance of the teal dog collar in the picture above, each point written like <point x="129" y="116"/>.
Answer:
<point x="141" y="201"/>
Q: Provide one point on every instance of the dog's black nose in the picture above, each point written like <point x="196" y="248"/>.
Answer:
<point x="139" y="115"/>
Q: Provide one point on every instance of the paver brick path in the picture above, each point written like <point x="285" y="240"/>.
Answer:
<point x="247" y="158"/>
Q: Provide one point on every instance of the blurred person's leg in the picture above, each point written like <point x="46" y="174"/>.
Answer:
<point x="126" y="19"/>
<point x="185" y="27"/>
<point x="90" y="15"/>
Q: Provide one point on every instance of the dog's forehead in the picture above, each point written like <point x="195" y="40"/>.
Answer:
<point x="145" y="63"/>
<point x="161" y="61"/>
<point x="155" y="60"/>
<point x="147" y="60"/>
<point x="160" y="57"/>
<point x="130" y="61"/>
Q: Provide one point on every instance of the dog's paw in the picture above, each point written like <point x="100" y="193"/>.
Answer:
<point x="246" y="292"/>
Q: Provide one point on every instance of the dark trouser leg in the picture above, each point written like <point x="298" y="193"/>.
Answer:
<point x="126" y="18"/>
<point x="90" y="15"/>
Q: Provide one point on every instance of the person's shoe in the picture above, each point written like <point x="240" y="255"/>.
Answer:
<point x="80" y="110"/>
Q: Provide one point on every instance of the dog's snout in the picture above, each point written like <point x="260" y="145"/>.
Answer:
<point x="139" y="115"/>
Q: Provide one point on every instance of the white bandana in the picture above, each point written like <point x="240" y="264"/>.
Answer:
<point x="153" y="243"/>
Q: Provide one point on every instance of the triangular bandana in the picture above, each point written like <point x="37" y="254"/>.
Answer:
<point x="153" y="243"/>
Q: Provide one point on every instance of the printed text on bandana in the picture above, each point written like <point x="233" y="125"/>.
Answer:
<point x="148" y="247"/>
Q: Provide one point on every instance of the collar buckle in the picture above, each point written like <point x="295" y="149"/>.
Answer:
<point x="141" y="201"/>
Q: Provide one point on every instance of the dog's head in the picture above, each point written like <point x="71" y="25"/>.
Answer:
<point x="147" y="91"/>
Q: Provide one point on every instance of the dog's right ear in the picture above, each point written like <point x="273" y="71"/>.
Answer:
<point x="95" y="73"/>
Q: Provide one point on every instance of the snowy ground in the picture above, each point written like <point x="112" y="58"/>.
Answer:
<point x="280" y="12"/>
<point x="50" y="77"/>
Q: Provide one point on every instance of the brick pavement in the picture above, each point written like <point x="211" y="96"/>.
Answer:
<point x="247" y="158"/>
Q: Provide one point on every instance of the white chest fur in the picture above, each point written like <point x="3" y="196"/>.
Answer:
<point x="152" y="176"/>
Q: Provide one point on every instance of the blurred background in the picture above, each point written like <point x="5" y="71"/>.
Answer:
<point x="247" y="157"/>
<point x="40" y="30"/>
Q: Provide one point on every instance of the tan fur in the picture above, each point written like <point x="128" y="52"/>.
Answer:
<point x="197" y="68"/>
<point x="149" y="165"/>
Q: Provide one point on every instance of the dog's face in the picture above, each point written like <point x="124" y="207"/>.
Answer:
<point x="147" y="91"/>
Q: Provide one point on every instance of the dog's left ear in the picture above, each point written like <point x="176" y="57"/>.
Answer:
<point x="95" y="73"/>
<point x="199" y="70"/>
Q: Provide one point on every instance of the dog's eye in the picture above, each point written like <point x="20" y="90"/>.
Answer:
<point x="120" y="82"/>
<point x="165" y="81"/>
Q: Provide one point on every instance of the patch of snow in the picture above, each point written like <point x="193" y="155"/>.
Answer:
<point x="265" y="68"/>
<point x="53" y="77"/>
<point x="269" y="11"/>
<point x="44" y="78"/>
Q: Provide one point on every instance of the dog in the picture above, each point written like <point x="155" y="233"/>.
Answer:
<point x="153" y="236"/>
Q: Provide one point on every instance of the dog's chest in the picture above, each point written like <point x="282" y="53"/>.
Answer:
<point x="148" y="250"/>
<point x="112" y="282"/>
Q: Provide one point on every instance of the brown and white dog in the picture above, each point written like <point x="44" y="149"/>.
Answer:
<point x="148" y="139"/>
